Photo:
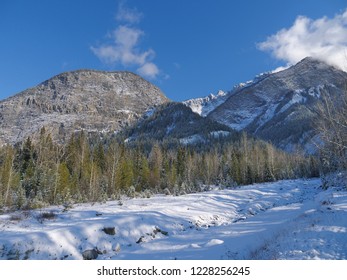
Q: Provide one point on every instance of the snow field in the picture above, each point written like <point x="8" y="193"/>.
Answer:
<point x="292" y="219"/>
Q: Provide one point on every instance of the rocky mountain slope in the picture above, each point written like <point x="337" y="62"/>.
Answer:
<point x="85" y="99"/>
<point x="281" y="107"/>
<point x="177" y="122"/>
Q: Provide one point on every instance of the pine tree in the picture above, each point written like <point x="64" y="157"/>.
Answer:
<point x="145" y="172"/>
<point x="181" y="163"/>
<point x="155" y="163"/>
<point x="268" y="175"/>
<point x="124" y="171"/>
<point x="26" y="161"/>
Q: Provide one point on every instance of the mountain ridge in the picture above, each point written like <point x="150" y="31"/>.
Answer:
<point x="276" y="107"/>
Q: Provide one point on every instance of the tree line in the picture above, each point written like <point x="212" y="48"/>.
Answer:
<point x="41" y="172"/>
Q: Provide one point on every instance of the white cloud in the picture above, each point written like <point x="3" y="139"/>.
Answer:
<point x="149" y="70"/>
<point x="124" y="48"/>
<point x="128" y="15"/>
<point x="324" y="39"/>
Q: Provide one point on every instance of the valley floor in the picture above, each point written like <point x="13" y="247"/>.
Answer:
<point x="292" y="219"/>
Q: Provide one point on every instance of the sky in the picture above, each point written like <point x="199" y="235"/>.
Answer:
<point x="188" y="48"/>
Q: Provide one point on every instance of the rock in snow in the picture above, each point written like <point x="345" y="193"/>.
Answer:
<point x="91" y="254"/>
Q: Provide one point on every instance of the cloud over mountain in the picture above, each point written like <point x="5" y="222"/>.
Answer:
<point x="124" y="47"/>
<point x="324" y="38"/>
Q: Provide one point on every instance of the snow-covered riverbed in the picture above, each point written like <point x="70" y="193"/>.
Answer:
<point x="293" y="219"/>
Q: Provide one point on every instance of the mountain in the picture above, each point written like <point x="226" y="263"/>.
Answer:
<point x="175" y="121"/>
<point x="281" y="107"/>
<point x="95" y="101"/>
<point x="204" y="105"/>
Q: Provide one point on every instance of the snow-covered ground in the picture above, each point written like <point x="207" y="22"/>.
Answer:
<point x="293" y="219"/>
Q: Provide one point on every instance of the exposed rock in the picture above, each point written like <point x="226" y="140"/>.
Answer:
<point x="91" y="254"/>
<point x="109" y="230"/>
<point x="141" y="239"/>
<point x="158" y="230"/>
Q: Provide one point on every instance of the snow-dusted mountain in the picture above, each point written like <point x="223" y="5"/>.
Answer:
<point x="279" y="107"/>
<point x="177" y="122"/>
<point x="204" y="105"/>
<point x="85" y="99"/>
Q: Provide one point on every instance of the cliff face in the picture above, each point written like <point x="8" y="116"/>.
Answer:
<point x="91" y="100"/>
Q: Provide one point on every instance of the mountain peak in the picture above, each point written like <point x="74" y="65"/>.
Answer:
<point x="312" y="63"/>
<point x="83" y="99"/>
<point x="310" y="59"/>
<point x="85" y="77"/>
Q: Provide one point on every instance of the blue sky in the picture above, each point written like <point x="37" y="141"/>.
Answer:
<point x="189" y="48"/>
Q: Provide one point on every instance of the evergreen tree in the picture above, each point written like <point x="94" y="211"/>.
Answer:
<point x="63" y="184"/>
<point x="155" y="163"/>
<point x="268" y="175"/>
<point x="145" y="172"/>
<point x="124" y="171"/>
